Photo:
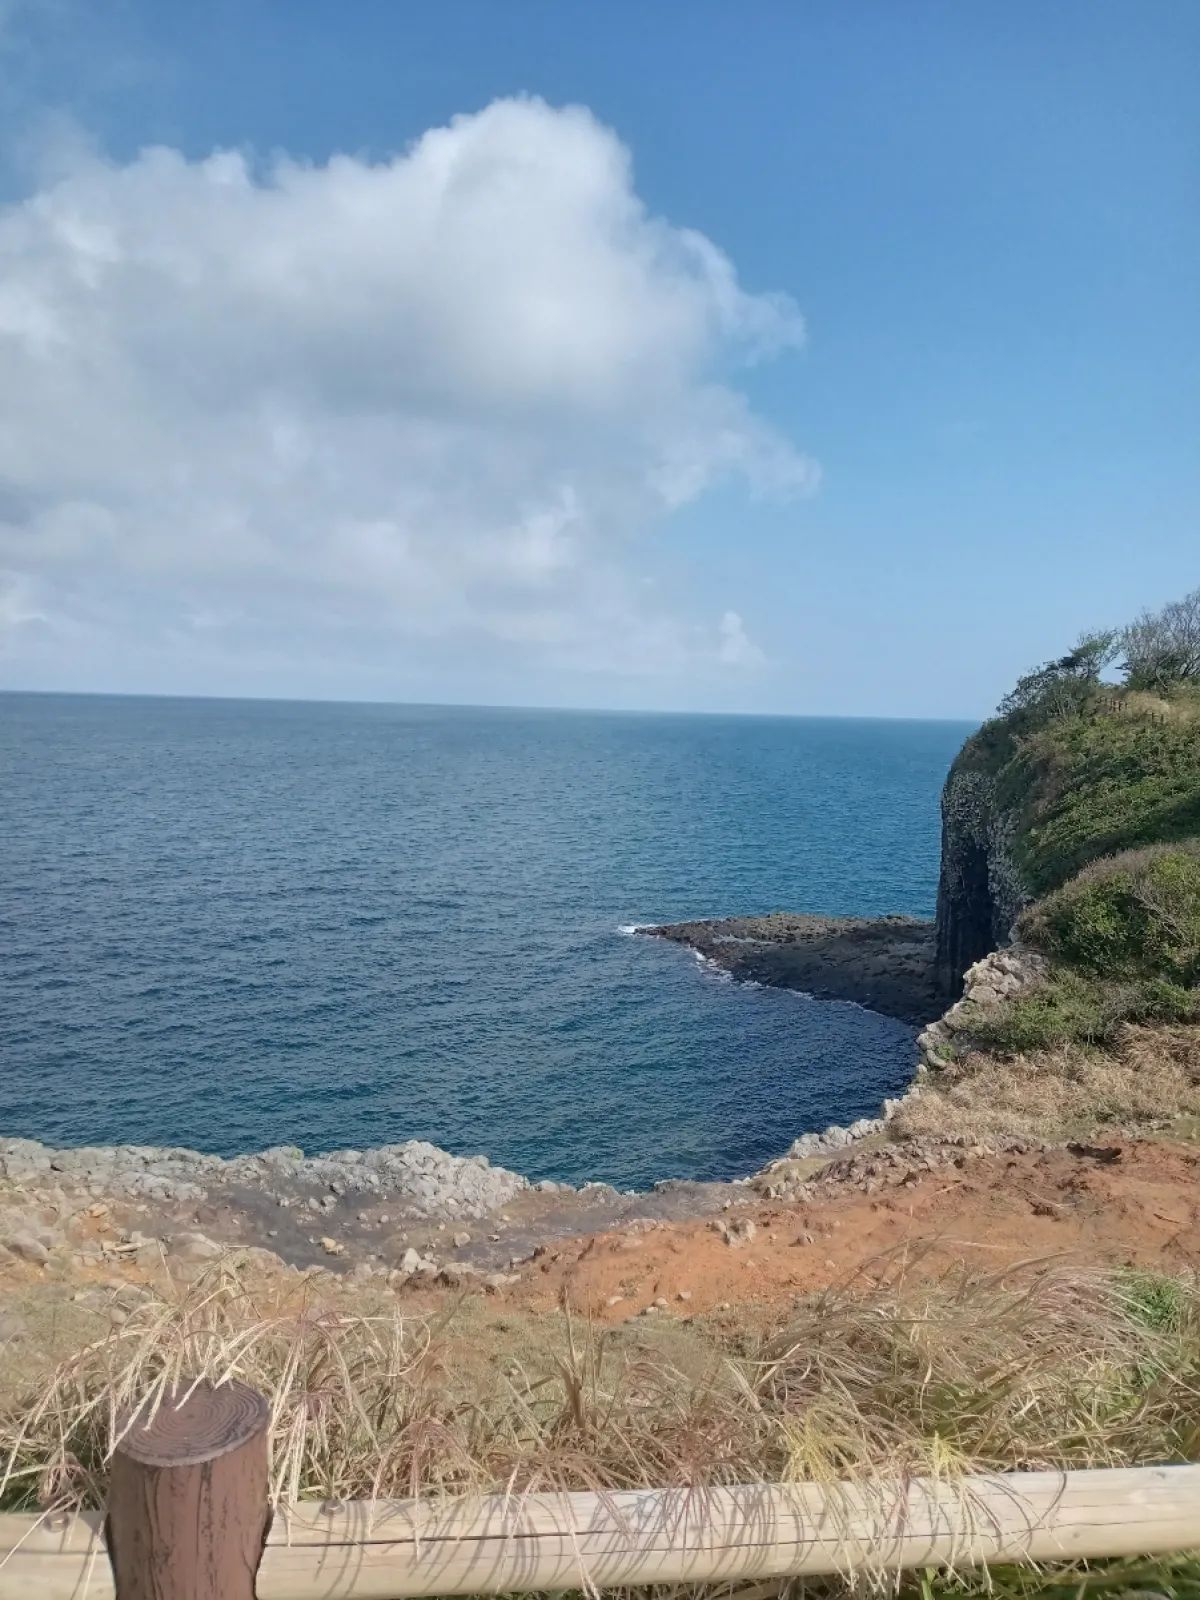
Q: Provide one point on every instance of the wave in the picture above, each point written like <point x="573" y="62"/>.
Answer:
<point x="714" y="969"/>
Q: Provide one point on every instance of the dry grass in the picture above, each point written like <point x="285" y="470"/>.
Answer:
<point x="937" y="1377"/>
<point x="1181" y="707"/>
<point x="1150" y="1075"/>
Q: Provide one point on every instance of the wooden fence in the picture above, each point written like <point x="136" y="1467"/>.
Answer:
<point x="188" y="1509"/>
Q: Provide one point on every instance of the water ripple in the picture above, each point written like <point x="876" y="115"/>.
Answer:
<point x="234" y="924"/>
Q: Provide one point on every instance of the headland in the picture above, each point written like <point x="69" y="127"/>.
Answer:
<point x="1053" y="1121"/>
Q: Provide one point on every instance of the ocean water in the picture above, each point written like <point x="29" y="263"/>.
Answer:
<point x="230" y="924"/>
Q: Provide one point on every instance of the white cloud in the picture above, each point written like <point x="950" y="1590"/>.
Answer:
<point x="357" y="409"/>
<point x="737" y="648"/>
<point x="16" y="609"/>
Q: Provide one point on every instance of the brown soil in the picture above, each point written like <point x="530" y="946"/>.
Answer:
<point x="867" y="1217"/>
<point x="1131" y="1203"/>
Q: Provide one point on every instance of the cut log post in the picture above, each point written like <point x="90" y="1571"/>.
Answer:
<point x="188" y="1506"/>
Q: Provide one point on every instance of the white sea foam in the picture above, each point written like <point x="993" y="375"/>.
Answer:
<point x="630" y="928"/>
<point x="714" y="969"/>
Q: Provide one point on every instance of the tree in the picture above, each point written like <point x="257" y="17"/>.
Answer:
<point x="1060" y="688"/>
<point x="1163" y="647"/>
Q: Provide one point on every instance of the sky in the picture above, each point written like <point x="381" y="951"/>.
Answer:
<point x="792" y="356"/>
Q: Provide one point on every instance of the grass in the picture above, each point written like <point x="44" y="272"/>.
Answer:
<point x="945" y="1377"/>
<point x="1120" y="771"/>
<point x="1104" y="805"/>
<point x="953" y="1375"/>
<point x="1093" y="784"/>
<point x="1148" y="1075"/>
<point x="1071" y="1008"/>
<point x="1123" y="941"/>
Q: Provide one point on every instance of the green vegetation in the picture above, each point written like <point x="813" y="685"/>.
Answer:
<point x="1102" y="784"/>
<point x="1070" y="1008"/>
<point x="1135" y="915"/>
<point x="1110" y="777"/>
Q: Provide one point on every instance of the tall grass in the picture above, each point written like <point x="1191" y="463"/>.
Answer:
<point x="1068" y="1091"/>
<point x="1056" y="1369"/>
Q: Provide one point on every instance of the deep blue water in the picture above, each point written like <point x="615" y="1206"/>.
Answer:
<point x="229" y="924"/>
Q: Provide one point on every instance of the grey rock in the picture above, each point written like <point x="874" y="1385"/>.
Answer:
<point x="735" y="1234"/>
<point x="28" y="1248"/>
<point x="834" y="1138"/>
<point x="195" y="1247"/>
<point x="423" y="1178"/>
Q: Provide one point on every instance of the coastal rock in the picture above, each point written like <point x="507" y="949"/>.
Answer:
<point x="195" y="1247"/>
<point x="980" y="893"/>
<point x="834" y="1138"/>
<point x="423" y="1179"/>
<point x="998" y="977"/>
<point x="735" y="1234"/>
<point x="883" y="963"/>
<point x="22" y="1159"/>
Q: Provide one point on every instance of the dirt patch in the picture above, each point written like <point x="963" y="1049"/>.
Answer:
<point x="885" y="1213"/>
<point x="1128" y="1203"/>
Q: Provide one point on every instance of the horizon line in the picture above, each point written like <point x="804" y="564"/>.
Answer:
<point x="474" y="705"/>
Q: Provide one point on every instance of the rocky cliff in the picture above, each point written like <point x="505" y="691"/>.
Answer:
<point x="980" y="893"/>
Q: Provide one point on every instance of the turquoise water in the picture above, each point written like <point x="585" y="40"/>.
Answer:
<point x="229" y="924"/>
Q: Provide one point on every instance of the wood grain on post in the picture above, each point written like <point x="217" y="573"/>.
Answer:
<point x="188" y="1506"/>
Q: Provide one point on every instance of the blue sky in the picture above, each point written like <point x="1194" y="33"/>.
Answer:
<point x="918" y="405"/>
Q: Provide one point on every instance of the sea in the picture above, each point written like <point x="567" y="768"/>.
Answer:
<point x="231" y="924"/>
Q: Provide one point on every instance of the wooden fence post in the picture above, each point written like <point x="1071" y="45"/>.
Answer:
<point x="188" y="1506"/>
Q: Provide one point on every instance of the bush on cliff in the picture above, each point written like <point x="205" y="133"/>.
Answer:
<point x="1073" y="1008"/>
<point x="1063" y="687"/>
<point x="1132" y="916"/>
<point x="1096" y="787"/>
<point x="1124" y="939"/>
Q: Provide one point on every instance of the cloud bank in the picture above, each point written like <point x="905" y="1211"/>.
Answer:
<point x="367" y="411"/>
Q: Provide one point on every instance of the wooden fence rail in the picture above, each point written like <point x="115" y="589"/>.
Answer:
<point x="387" y="1550"/>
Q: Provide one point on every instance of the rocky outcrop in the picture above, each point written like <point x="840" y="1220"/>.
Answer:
<point x="980" y="894"/>
<point x="883" y="963"/>
<point x="418" y="1176"/>
<point x="1001" y="975"/>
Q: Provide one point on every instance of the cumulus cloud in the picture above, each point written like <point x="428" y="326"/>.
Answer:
<point x="737" y="648"/>
<point x="370" y="405"/>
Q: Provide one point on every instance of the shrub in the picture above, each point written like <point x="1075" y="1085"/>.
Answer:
<point x="1066" y="1009"/>
<point x="1135" y="915"/>
<point x="1072" y="1008"/>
